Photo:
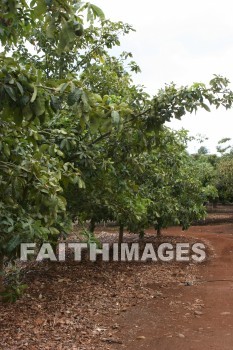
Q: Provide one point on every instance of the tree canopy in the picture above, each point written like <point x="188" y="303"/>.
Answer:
<point x="78" y="138"/>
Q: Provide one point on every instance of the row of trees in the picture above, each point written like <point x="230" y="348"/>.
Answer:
<point x="78" y="139"/>
<point x="216" y="172"/>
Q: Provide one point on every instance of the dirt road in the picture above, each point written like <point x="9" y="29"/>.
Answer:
<point x="198" y="316"/>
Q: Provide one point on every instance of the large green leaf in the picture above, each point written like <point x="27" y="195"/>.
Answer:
<point x="38" y="106"/>
<point x="10" y="91"/>
<point x="97" y="12"/>
<point x="74" y="97"/>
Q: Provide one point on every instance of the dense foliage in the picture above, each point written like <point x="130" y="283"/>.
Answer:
<point x="78" y="139"/>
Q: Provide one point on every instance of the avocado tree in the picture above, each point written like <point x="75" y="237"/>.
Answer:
<point x="224" y="178"/>
<point x="33" y="170"/>
<point x="170" y="183"/>
<point x="206" y="165"/>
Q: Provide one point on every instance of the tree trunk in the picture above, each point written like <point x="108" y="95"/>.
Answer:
<point x="92" y="226"/>
<point x="159" y="232"/>
<point x="158" y="228"/>
<point x="121" y="234"/>
<point x="61" y="66"/>
<point x="1" y="273"/>
<point x="141" y="235"/>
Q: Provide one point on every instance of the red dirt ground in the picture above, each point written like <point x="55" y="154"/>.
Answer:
<point x="128" y="306"/>
<point x="198" y="317"/>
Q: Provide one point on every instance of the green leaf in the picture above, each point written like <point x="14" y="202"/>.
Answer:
<point x="62" y="203"/>
<point x="24" y="100"/>
<point x="44" y="148"/>
<point x="13" y="243"/>
<point x="38" y="106"/>
<point x="61" y="88"/>
<point x="55" y="103"/>
<point x="51" y="28"/>
<point x="6" y="150"/>
<point x="86" y="106"/>
<point x="10" y="92"/>
<point x="20" y="88"/>
<point x="206" y="107"/>
<point x="54" y="231"/>
<point x="74" y="97"/>
<point x="40" y="9"/>
<point x="27" y="112"/>
<point x="97" y="12"/>
<point x="34" y="95"/>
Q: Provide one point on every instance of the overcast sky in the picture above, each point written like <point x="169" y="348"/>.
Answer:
<point x="183" y="42"/>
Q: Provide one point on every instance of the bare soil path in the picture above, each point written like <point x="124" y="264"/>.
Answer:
<point x="102" y="306"/>
<point x="197" y="316"/>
